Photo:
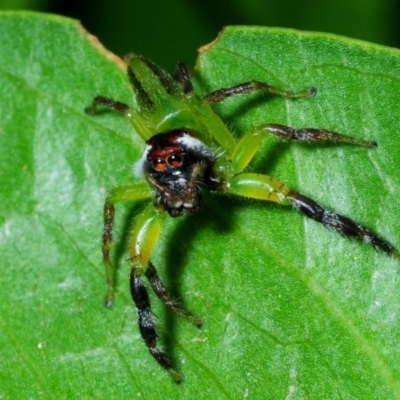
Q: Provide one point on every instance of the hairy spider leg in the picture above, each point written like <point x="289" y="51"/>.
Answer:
<point x="116" y="105"/>
<point x="131" y="114"/>
<point x="162" y="293"/>
<point x="252" y="86"/>
<point x="131" y="192"/>
<point x="143" y="238"/>
<point x="264" y="187"/>
<point x="250" y="142"/>
<point x="182" y="75"/>
<point x="345" y="226"/>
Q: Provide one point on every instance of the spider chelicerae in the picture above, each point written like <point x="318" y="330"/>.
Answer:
<point x="189" y="149"/>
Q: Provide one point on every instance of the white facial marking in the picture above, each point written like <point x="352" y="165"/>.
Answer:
<point x="190" y="141"/>
<point x="195" y="144"/>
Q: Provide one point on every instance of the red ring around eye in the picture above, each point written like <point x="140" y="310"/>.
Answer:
<point x="159" y="164"/>
<point x="175" y="160"/>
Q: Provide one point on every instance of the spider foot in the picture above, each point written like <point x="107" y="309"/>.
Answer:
<point x="395" y="254"/>
<point x="108" y="302"/>
<point x="177" y="377"/>
<point x="196" y="321"/>
<point x="163" y="360"/>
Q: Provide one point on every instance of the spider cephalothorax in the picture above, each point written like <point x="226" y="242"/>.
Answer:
<point x="196" y="151"/>
<point x="177" y="165"/>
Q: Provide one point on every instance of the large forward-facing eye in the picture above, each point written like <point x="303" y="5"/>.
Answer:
<point x="159" y="164"/>
<point x="175" y="160"/>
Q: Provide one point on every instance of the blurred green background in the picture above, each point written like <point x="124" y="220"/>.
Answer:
<point x="172" y="30"/>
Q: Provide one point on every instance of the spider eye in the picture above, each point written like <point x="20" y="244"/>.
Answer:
<point x="159" y="164"/>
<point x="175" y="160"/>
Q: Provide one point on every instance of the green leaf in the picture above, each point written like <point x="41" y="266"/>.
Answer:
<point x="291" y="309"/>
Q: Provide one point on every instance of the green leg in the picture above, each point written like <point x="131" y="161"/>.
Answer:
<point x="143" y="238"/>
<point x="121" y="193"/>
<point x="131" y="114"/>
<point x="264" y="187"/>
<point x="142" y="241"/>
<point x="250" y="142"/>
<point x="257" y="186"/>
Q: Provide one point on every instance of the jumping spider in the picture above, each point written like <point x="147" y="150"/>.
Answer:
<point x="188" y="150"/>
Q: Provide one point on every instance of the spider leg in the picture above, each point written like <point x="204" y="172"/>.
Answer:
<point x="131" y="114"/>
<point x="253" y="86"/>
<point x="141" y="243"/>
<point x="341" y="224"/>
<point x="109" y="213"/>
<point x="107" y="102"/>
<point x="182" y="75"/>
<point x="142" y="240"/>
<point x="250" y="142"/>
<point x="146" y="324"/>
<point x="120" y="193"/>
<point x="264" y="187"/>
<point x="162" y="293"/>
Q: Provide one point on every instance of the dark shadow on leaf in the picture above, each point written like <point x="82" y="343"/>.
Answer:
<point x="220" y="217"/>
<point x="270" y="157"/>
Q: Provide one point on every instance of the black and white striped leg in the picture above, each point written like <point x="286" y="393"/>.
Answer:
<point x="345" y="226"/>
<point x="146" y="324"/>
